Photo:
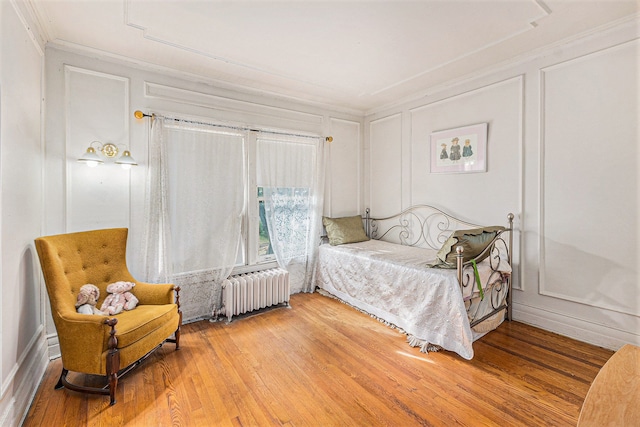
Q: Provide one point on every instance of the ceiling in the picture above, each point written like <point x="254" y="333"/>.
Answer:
<point x="357" y="55"/>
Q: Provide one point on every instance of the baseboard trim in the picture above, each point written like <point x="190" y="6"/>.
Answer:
<point x="572" y="327"/>
<point x="24" y="385"/>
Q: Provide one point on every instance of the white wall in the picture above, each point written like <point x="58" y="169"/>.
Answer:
<point x="563" y="155"/>
<point x="90" y="97"/>
<point x="23" y="354"/>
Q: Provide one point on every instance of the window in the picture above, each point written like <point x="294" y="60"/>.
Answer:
<point x="293" y="180"/>
<point x="224" y="200"/>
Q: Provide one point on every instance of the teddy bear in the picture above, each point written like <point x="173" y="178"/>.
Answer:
<point x="87" y="300"/>
<point x="119" y="298"/>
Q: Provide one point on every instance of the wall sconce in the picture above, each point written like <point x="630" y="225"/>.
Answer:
<point x="110" y="151"/>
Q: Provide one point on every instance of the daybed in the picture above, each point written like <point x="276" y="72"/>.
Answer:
<point x="393" y="273"/>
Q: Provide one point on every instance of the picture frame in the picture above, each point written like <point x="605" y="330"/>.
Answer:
<point x="470" y="156"/>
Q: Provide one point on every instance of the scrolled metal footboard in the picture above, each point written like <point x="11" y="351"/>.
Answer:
<point x="497" y="278"/>
<point x="495" y="282"/>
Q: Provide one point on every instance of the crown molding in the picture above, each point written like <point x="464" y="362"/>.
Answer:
<point x="628" y="23"/>
<point x="272" y="98"/>
<point x="31" y="17"/>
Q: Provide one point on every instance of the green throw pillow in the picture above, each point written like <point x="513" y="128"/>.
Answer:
<point x="473" y="241"/>
<point x="344" y="230"/>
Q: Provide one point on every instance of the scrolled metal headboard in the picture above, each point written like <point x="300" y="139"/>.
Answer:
<point x="419" y="225"/>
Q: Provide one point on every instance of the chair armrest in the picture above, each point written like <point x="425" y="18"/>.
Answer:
<point x="154" y="294"/>
<point x="81" y="335"/>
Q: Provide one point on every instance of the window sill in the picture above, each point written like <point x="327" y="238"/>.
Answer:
<point x="253" y="268"/>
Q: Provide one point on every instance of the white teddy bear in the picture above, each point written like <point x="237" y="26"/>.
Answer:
<point x="119" y="298"/>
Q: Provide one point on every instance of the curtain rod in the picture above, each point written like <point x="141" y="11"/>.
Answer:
<point x="139" y="115"/>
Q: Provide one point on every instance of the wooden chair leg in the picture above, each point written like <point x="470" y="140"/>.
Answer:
<point x="177" y="333"/>
<point x="113" y="360"/>
<point x="61" y="380"/>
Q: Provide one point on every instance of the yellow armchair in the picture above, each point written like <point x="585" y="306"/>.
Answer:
<point x="103" y="345"/>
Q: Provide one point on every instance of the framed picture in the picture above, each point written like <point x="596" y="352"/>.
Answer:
<point x="459" y="150"/>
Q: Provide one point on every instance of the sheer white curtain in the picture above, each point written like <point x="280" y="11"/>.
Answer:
<point x="196" y="202"/>
<point x="156" y="253"/>
<point x="291" y="173"/>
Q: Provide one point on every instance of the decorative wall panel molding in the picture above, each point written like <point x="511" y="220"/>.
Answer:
<point x="199" y="99"/>
<point x="385" y="165"/>
<point x="589" y="126"/>
<point x="344" y="168"/>
<point x="96" y="109"/>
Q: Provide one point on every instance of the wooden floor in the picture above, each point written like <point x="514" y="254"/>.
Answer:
<point x="322" y="363"/>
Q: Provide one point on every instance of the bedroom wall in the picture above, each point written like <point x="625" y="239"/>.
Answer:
<point x="93" y="97"/>
<point x="562" y="156"/>
<point x="23" y="356"/>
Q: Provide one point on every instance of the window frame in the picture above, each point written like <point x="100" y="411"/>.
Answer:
<point x="250" y="242"/>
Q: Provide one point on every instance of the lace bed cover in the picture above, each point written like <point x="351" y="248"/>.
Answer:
<point x="392" y="282"/>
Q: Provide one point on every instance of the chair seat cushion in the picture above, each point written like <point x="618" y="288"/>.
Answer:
<point x="135" y="324"/>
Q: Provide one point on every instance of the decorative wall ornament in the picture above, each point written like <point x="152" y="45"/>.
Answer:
<point x="459" y="150"/>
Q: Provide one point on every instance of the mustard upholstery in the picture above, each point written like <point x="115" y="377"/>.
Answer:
<point x="98" y="257"/>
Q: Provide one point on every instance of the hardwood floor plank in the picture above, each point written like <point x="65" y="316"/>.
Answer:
<point x="322" y="362"/>
<point x="561" y="363"/>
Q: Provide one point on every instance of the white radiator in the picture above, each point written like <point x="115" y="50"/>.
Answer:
<point x="252" y="291"/>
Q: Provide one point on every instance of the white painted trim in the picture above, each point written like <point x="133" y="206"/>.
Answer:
<point x="397" y="115"/>
<point x="541" y="177"/>
<point x="359" y="166"/>
<point x="146" y="34"/>
<point x="406" y="169"/>
<point x="9" y="411"/>
<point x="26" y="13"/>
<point x="541" y="153"/>
<point x="53" y="346"/>
<point x="28" y="388"/>
<point x="544" y="13"/>
<point x="11" y="375"/>
<point x="623" y="24"/>
<point x="279" y="98"/>
<point x="473" y="91"/>
<point x="199" y="99"/>
<point x="518" y="225"/>
<point x="68" y="69"/>
<point x="579" y="329"/>
<point x="590" y="55"/>
<point x="31" y="366"/>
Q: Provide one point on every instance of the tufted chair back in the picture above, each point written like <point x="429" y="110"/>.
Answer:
<point x="75" y="259"/>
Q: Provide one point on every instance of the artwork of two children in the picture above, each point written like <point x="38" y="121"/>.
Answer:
<point x="453" y="154"/>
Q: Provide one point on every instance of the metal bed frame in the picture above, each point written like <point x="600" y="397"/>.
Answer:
<point x="429" y="227"/>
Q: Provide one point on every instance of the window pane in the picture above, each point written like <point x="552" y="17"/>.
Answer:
<point x="264" y="243"/>
<point x="289" y="215"/>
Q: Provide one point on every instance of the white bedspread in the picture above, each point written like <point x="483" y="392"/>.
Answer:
<point x="393" y="283"/>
